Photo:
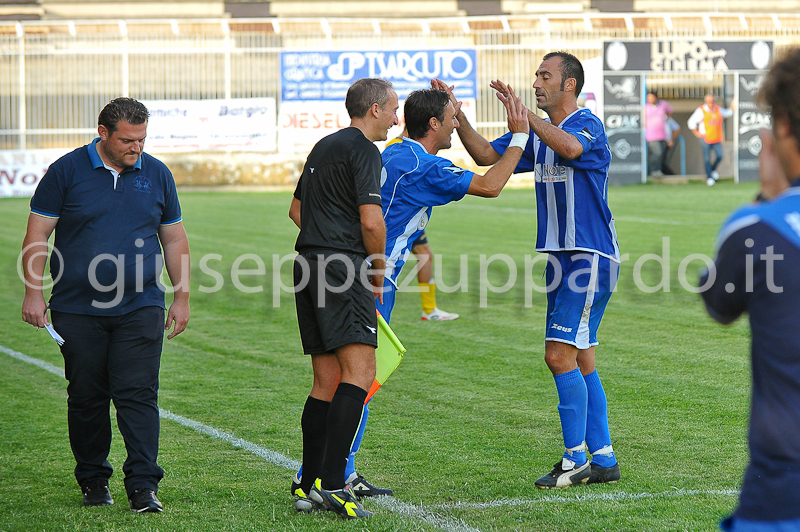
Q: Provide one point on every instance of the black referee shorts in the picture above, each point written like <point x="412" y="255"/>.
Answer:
<point x="334" y="307"/>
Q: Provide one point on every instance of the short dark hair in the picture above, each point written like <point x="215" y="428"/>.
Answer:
<point x="127" y="109"/>
<point x="365" y="92"/>
<point x="571" y="67"/>
<point x="777" y="89"/>
<point x="422" y="105"/>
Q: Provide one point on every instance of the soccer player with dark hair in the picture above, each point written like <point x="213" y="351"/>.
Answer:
<point x="755" y="272"/>
<point x="110" y="237"/>
<point x="417" y="179"/>
<point x="569" y="155"/>
<point x="337" y="206"/>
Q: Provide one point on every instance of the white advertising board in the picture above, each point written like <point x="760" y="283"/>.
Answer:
<point x="246" y="124"/>
<point x="21" y="170"/>
<point x="303" y="123"/>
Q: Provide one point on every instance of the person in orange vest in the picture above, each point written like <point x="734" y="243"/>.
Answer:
<point x="706" y="124"/>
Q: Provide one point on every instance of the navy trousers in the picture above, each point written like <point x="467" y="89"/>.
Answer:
<point x="113" y="358"/>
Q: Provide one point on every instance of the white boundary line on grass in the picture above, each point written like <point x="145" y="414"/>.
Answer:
<point x="610" y="497"/>
<point x="390" y="503"/>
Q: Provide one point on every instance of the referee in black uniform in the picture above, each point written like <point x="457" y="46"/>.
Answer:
<point x="337" y="206"/>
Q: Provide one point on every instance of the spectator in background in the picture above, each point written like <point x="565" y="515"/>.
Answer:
<point x="656" y="115"/>
<point x="673" y="131"/>
<point x="706" y="124"/>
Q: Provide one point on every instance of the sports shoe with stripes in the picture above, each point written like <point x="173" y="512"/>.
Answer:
<point x="362" y="488"/>
<point x="564" y="474"/>
<point x="302" y="503"/>
<point x="342" y="501"/>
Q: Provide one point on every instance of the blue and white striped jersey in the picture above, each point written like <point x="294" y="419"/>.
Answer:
<point x="571" y="195"/>
<point x="412" y="183"/>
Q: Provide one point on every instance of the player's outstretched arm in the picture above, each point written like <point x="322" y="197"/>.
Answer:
<point x="563" y="143"/>
<point x="478" y="147"/>
<point x="491" y="184"/>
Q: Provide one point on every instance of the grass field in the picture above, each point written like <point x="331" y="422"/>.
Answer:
<point x="463" y="428"/>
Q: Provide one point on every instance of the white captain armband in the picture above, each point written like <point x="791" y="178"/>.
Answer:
<point x="518" y="140"/>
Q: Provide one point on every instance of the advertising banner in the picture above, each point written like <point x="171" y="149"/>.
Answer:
<point x="751" y="121"/>
<point x="314" y="85"/>
<point x="240" y="124"/>
<point x="303" y="124"/>
<point x="21" y="170"/>
<point x="326" y="75"/>
<point x="687" y="56"/>
<point x="622" y="108"/>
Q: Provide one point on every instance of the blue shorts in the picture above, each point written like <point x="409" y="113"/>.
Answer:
<point x="579" y="285"/>
<point x="386" y="307"/>
<point x="735" y="524"/>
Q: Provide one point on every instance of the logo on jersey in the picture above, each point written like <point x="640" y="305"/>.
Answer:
<point x="561" y="328"/>
<point x="423" y="221"/>
<point x="585" y="133"/>
<point x="142" y="184"/>
<point x="373" y="330"/>
<point x="549" y="173"/>
<point x="455" y="169"/>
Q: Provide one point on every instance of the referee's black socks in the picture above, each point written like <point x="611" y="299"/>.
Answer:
<point x="344" y="416"/>
<point x="314" y="425"/>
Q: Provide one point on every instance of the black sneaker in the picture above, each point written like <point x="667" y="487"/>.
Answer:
<point x="561" y="477"/>
<point x="144" y="500"/>
<point x="342" y="501"/>
<point x="604" y="475"/>
<point x="95" y="493"/>
<point x="362" y="488"/>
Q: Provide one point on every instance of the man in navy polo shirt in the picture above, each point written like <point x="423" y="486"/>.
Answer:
<point x="758" y="250"/>
<point x="113" y="208"/>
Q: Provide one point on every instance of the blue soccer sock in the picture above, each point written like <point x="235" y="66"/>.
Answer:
<point x="350" y="468"/>
<point x="597" y="434"/>
<point x="572" y="411"/>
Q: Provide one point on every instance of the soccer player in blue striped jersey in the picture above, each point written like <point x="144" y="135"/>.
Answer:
<point x="414" y="179"/>
<point x="570" y="156"/>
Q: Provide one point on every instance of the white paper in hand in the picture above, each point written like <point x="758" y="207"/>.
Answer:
<point x="54" y="334"/>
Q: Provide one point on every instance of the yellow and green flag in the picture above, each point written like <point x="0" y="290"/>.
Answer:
<point x="388" y="355"/>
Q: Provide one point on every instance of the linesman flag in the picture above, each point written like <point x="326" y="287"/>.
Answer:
<point x="388" y="355"/>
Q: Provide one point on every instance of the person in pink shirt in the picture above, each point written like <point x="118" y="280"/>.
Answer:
<point x="656" y="116"/>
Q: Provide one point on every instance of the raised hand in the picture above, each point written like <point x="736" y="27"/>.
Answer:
<point x="516" y="111"/>
<point x="442" y="86"/>
<point x="501" y="88"/>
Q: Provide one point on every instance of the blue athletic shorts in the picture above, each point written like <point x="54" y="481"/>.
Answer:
<point x="735" y="524"/>
<point x="386" y="307"/>
<point x="579" y="285"/>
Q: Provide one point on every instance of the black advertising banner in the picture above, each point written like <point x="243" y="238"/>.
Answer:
<point x="686" y="56"/>
<point x="751" y="122"/>
<point x="622" y="108"/>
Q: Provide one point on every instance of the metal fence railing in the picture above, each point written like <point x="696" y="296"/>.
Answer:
<point x="55" y="76"/>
